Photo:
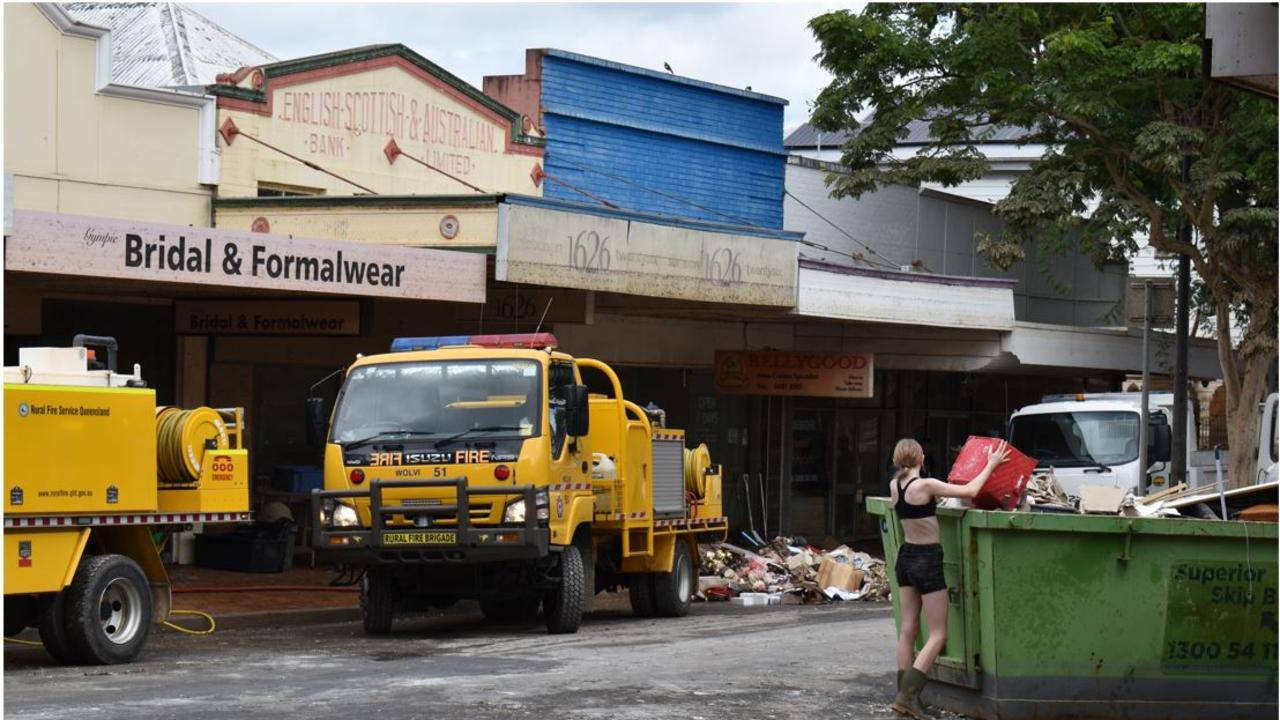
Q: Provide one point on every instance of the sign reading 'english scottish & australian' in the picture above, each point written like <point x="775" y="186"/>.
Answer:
<point x="103" y="247"/>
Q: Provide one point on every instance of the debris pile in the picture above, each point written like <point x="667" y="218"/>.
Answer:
<point x="1045" y="494"/>
<point x="1043" y="490"/>
<point x="792" y="571"/>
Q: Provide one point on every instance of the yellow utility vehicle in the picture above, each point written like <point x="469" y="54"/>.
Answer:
<point x="480" y="467"/>
<point x="91" y="469"/>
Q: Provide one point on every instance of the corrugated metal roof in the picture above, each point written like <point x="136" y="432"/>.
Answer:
<point x="668" y="76"/>
<point x="807" y="136"/>
<point x="166" y="44"/>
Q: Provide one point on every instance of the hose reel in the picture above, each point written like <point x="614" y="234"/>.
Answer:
<point x="696" y="463"/>
<point x="183" y="437"/>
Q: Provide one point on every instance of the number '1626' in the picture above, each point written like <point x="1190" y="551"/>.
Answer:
<point x="588" y="251"/>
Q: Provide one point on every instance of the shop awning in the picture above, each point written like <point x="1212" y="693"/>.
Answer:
<point x="904" y="298"/>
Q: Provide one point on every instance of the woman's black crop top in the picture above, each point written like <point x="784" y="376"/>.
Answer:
<point x="907" y="511"/>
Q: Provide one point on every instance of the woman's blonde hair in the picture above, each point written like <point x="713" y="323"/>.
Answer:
<point x="907" y="454"/>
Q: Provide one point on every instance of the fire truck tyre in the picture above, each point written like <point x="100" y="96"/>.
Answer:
<point x="562" y="607"/>
<point x="377" y="600"/>
<point x="53" y="628"/>
<point x="108" y="610"/>
<point x="511" y="609"/>
<point x="641" y="586"/>
<point x="673" y="590"/>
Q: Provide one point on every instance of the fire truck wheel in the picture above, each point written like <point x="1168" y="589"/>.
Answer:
<point x="673" y="590"/>
<point x="53" y="628"/>
<point x="377" y="600"/>
<point x="641" y="587"/>
<point x="562" y="607"/>
<point x="511" y="609"/>
<point x="108" y="610"/>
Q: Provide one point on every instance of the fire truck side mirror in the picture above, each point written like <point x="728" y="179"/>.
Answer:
<point x="577" y="412"/>
<point x="315" y="421"/>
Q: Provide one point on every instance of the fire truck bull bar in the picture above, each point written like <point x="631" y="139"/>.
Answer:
<point x="463" y="541"/>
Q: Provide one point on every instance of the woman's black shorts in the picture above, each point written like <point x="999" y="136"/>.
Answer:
<point x="920" y="567"/>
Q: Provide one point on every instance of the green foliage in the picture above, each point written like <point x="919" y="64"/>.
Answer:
<point x="1114" y="90"/>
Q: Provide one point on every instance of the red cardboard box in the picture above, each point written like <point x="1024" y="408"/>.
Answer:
<point x="1007" y="482"/>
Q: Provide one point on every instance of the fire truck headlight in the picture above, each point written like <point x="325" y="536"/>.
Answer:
<point x="345" y="516"/>
<point x="514" y="513"/>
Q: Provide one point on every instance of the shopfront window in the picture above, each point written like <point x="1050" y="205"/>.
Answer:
<point x="472" y="398"/>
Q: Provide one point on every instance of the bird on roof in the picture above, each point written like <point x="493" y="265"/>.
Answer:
<point x="667" y="67"/>
<point x="748" y="88"/>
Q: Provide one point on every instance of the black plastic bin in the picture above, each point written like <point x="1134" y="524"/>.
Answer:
<point x="257" y="548"/>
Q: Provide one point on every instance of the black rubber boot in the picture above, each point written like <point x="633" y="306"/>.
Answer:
<point x="899" y="685"/>
<point x="908" y="700"/>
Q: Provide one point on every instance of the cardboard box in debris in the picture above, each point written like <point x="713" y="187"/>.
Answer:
<point x="787" y="573"/>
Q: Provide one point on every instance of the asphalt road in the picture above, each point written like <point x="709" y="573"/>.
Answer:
<point x="811" y="662"/>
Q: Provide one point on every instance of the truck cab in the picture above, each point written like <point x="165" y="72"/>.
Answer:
<point x="1093" y="439"/>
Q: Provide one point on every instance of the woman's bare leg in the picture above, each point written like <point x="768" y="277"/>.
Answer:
<point x="909" y="605"/>
<point x="935" y="614"/>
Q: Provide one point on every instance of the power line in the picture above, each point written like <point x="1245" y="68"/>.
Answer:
<point x="579" y="190"/>
<point x="884" y="262"/>
<point x="393" y="151"/>
<point x="661" y="193"/>
<point x="856" y="256"/>
<point x="230" y="132"/>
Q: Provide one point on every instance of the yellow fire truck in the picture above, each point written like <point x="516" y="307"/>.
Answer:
<point x="91" y="468"/>
<point x="481" y="467"/>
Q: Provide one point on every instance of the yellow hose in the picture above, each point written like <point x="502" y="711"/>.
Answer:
<point x="696" y="462"/>
<point x="24" y="642"/>
<point x="182" y="436"/>
<point x="212" y="625"/>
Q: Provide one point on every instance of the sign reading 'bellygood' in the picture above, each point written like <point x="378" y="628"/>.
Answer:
<point x="102" y="247"/>
<point x="847" y="375"/>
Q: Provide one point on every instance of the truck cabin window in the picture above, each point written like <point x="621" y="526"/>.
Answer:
<point x="1081" y="439"/>
<point x="463" y="399"/>
<point x="558" y="381"/>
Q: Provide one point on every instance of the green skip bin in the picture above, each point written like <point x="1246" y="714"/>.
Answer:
<point x="1086" y="616"/>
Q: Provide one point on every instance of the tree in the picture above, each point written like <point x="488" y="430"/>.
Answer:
<point x="1116" y="92"/>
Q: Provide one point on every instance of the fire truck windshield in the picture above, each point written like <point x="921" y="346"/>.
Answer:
<point x="443" y="399"/>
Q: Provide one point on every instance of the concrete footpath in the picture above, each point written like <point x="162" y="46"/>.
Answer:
<point x="721" y="661"/>
<point x="247" y="600"/>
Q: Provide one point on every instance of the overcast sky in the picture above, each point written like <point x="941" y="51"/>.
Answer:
<point x="764" y="45"/>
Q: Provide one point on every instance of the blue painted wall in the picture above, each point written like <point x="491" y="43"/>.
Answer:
<point x="673" y="146"/>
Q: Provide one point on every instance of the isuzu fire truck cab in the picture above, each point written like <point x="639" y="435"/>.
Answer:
<point x="482" y="468"/>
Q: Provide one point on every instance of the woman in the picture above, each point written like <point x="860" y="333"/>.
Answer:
<point x="919" y="565"/>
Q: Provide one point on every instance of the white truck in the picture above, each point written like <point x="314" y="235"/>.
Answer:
<point x="1092" y="439"/>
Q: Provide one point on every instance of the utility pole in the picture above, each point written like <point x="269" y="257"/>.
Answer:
<point x="1181" y="330"/>
<point x="1144" y="463"/>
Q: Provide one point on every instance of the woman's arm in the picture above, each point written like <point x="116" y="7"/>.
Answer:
<point x="995" y="455"/>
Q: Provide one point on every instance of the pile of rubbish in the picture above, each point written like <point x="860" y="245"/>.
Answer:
<point x="786" y="571"/>
<point x="1044" y="494"/>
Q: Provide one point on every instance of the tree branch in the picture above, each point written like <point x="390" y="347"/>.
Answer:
<point x="1227" y="354"/>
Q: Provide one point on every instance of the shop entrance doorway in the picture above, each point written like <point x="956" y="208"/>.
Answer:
<point x="835" y="464"/>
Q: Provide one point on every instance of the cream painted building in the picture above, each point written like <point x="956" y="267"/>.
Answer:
<point x="364" y="136"/>
<point x="76" y="142"/>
